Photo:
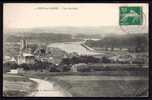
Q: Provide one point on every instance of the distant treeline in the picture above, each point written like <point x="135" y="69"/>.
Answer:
<point x="133" y="42"/>
<point x="84" y="36"/>
<point x="41" y="37"/>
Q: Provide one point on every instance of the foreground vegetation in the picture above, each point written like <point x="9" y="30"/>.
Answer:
<point x="17" y="86"/>
<point x="104" y="83"/>
<point x="95" y="86"/>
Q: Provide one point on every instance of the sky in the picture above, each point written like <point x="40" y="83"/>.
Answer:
<point x="25" y="15"/>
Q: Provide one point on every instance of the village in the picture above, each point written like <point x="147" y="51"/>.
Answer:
<point x="74" y="55"/>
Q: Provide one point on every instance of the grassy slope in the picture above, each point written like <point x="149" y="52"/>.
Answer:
<point x="15" y="85"/>
<point x="104" y="84"/>
<point x="89" y="86"/>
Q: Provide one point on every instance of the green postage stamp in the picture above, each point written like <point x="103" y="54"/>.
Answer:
<point x="130" y="15"/>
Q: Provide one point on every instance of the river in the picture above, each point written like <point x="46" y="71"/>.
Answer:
<point x="78" y="47"/>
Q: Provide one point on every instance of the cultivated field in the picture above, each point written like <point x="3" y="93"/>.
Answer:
<point x="15" y="85"/>
<point x="102" y="84"/>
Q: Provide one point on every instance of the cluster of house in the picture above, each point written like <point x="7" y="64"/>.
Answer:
<point x="26" y="55"/>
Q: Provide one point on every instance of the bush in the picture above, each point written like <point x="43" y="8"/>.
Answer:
<point x="80" y="59"/>
<point x="66" y="68"/>
<point x="53" y="69"/>
<point x="9" y="65"/>
<point x="81" y="67"/>
<point x="106" y="60"/>
<point x="39" y="66"/>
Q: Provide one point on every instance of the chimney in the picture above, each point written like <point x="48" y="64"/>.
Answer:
<point x="23" y="44"/>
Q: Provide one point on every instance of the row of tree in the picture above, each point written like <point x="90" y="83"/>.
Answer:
<point x="40" y="37"/>
<point x="65" y="64"/>
<point x="133" y="42"/>
<point x="80" y="59"/>
<point x="38" y="66"/>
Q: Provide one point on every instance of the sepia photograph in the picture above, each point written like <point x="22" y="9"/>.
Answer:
<point x="75" y="50"/>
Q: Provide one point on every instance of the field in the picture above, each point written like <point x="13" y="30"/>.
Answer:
<point x="101" y="84"/>
<point x="96" y="86"/>
<point x="15" y="85"/>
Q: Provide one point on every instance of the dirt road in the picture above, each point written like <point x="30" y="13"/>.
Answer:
<point x="47" y="89"/>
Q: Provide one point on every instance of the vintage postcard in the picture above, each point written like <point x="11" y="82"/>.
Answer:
<point x="75" y="50"/>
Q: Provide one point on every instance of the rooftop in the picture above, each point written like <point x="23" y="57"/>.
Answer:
<point x="27" y="54"/>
